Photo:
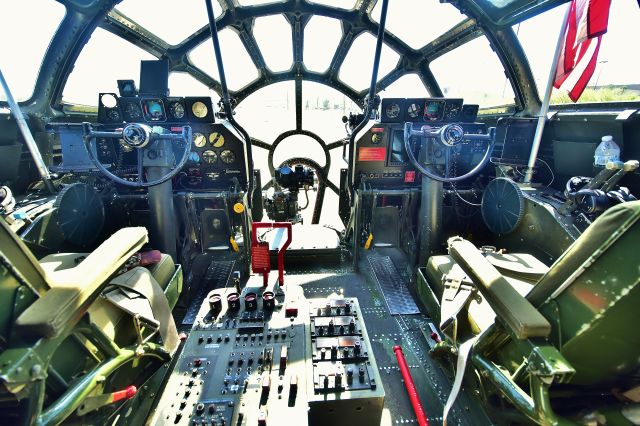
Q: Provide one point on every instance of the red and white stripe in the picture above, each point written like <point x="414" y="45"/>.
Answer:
<point x="587" y="22"/>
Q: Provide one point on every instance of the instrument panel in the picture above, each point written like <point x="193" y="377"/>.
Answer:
<point x="217" y="155"/>
<point x="427" y="110"/>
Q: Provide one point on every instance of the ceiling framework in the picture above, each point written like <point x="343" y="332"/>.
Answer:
<point x="84" y="16"/>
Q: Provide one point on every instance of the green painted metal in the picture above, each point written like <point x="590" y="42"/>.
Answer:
<point x="67" y="404"/>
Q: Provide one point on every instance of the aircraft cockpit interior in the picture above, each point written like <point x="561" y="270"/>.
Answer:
<point x="319" y="212"/>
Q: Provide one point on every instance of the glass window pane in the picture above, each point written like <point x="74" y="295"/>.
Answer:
<point x="321" y="38"/>
<point x="273" y="34"/>
<point x="238" y="65"/>
<point x="183" y="84"/>
<point x="269" y="111"/>
<point x="617" y="72"/>
<point x="473" y="72"/>
<point x="322" y="111"/>
<point x="358" y="64"/>
<point x="20" y="60"/>
<point x="92" y="74"/>
<point x="342" y="4"/>
<point x="170" y="20"/>
<point x="418" y="22"/>
<point x="255" y="2"/>
<point x="407" y="86"/>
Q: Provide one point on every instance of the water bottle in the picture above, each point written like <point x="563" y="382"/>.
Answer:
<point x="606" y="151"/>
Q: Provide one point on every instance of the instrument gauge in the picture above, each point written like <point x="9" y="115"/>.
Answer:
<point x="414" y="110"/>
<point x="216" y="139"/>
<point x="199" y="109"/>
<point x="209" y="156"/>
<point x="452" y="111"/>
<point x="113" y="115"/>
<point x="133" y="111"/>
<point x="227" y="156"/>
<point x="393" y="111"/>
<point x="177" y="110"/>
<point x="199" y="140"/>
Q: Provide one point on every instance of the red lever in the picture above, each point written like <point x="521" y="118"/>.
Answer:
<point x="411" y="388"/>
<point x="257" y="249"/>
<point x="126" y="393"/>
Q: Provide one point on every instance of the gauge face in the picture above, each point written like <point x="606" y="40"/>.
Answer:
<point x="113" y="115"/>
<point x="434" y="110"/>
<point x="177" y="110"/>
<point x="199" y="140"/>
<point x="133" y="111"/>
<point x="199" y="109"/>
<point x="216" y="139"/>
<point x="209" y="156"/>
<point x="227" y="156"/>
<point x="154" y="110"/>
<point x="414" y="110"/>
<point x="393" y="110"/>
<point x="452" y="111"/>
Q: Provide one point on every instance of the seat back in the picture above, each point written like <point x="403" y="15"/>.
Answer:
<point x="591" y="297"/>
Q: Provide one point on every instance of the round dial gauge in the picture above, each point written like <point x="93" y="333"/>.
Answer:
<point x="199" y="109"/>
<point x="393" y="110"/>
<point x="216" y="139"/>
<point x="133" y="110"/>
<point x="199" y="140"/>
<point x="452" y="111"/>
<point x="227" y="156"/>
<point x="176" y="109"/>
<point x="414" y="110"/>
<point x="209" y="156"/>
<point x="113" y="115"/>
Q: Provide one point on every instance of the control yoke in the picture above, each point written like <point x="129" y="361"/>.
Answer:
<point x="449" y="136"/>
<point x="143" y="138"/>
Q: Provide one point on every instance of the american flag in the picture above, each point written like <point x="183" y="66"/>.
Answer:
<point x="587" y="22"/>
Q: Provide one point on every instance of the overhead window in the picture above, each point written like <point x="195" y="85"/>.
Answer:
<point x="170" y="20"/>
<point x="419" y="22"/>
<point x="322" y="110"/>
<point x="473" y="72"/>
<point x="183" y="84"/>
<point x="93" y="74"/>
<point x="321" y="38"/>
<point x="273" y="34"/>
<point x="239" y="68"/>
<point x="617" y="73"/>
<point x="358" y="64"/>
<point x="407" y="86"/>
<point x="256" y="2"/>
<point x="342" y="4"/>
<point x="269" y="111"/>
<point x="20" y="59"/>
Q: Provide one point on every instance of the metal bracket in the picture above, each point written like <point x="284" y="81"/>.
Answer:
<point x="455" y="296"/>
<point x="547" y="361"/>
<point x="626" y="114"/>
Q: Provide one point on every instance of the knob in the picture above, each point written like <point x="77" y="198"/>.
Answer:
<point x="338" y="380"/>
<point x="334" y="351"/>
<point x="233" y="301"/>
<point x="331" y="327"/>
<point x="250" y="302"/>
<point x="323" y="353"/>
<point x="215" y="304"/>
<point x="200" y="408"/>
<point x="268" y="301"/>
<point x="352" y="325"/>
<point x="356" y="348"/>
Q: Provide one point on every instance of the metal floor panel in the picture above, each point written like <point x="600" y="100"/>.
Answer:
<point x="394" y="289"/>
<point x="217" y="276"/>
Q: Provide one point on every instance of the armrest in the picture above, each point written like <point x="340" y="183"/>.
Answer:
<point x="520" y="316"/>
<point x="73" y="290"/>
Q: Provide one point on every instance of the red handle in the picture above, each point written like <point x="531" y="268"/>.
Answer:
<point x="126" y="393"/>
<point x="411" y="388"/>
<point x="281" y="251"/>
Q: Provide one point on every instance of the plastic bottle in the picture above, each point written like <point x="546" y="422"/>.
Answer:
<point x="606" y="151"/>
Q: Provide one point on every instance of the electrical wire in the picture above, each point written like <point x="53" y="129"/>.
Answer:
<point x="464" y="200"/>
<point x="553" y="176"/>
<point x="306" y="194"/>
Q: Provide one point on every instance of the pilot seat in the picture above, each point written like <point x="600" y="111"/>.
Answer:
<point x="538" y="332"/>
<point x="76" y="327"/>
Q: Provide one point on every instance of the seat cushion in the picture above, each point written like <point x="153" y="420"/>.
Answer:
<point x="104" y="314"/>
<point x="480" y="314"/>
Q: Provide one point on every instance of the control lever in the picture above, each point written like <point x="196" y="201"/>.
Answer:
<point x="260" y="259"/>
